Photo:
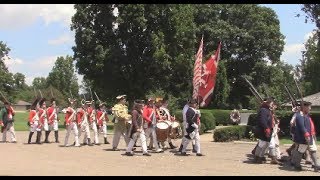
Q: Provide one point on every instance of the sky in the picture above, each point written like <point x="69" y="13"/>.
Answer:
<point x="37" y="34"/>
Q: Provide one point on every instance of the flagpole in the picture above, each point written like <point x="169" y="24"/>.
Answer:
<point x="198" y="97"/>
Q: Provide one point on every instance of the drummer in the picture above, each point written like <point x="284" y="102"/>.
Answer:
<point x="149" y="117"/>
<point x="165" y="114"/>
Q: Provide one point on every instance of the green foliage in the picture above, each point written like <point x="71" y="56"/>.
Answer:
<point x="222" y="88"/>
<point x="63" y="77"/>
<point x="222" y="116"/>
<point x="231" y="133"/>
<point x="39" y="83"/>
<point x="207" y="122"/>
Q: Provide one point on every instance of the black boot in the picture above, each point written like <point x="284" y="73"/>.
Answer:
<point x="194" y="148"/>
<point x="106" y="141"/>
<point x="89" y="142"/>
<point x="171" y="145"/>
<point x="47" y="136"/>
<point x="38" y="137"/>
<point x="30" y="136"/>
<point x="56" y="136"/>
<point x="180" y="148"/>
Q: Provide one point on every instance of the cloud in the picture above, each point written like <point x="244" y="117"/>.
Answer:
<point x="308" y="35"/>
<point x="292" y="53"/>
<point x="65" y="38"/>
<point x="15" y="16"/>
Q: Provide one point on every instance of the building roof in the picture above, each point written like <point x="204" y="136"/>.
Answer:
<point x="22" y="103"/>
<point x="313" y="98"/>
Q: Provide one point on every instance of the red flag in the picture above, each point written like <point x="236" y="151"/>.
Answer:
<point x="208" y="79"/>
<point x="197" y="71"/>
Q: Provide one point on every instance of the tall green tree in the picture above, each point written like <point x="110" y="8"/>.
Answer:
<point x="148" y="46"/>
<point x="63" y="76"/>
<point x="6" y="79"/>
<point x="250" y="34"/>
<point x="222" y="88"/>
<point x="39" y="83"/>
<point x="153" y="46"/>
<point x="20" y="81"/>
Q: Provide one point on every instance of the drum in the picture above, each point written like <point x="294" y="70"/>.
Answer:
<point x="176" y="131"/>
<point x="162" y="131"/>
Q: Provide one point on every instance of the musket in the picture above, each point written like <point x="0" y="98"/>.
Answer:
<point x="35" y="92"/>
<point x="300" y="92"/>
<point x="293" y="100"/>
<point x="4" y="98"/>
<point x="91" y="94"/>
<point x="253" y="89"/>
<point x="40" y="93"/>
<point x="51" y="92"/>
<point x="265" y="89"/>
<point x="97" y="96"/>
<point x="255" y="95"/>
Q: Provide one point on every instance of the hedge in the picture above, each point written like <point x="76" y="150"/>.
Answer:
<point x="222" y="116"/>
<point x="285" y="117"/>
<point x="232" y="133"/>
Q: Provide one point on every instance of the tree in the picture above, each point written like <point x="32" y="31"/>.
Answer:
<point x="20" y="81"/>
<point x="63" y="77"/>
<point x="153" y="46"/>
<point x="39" y="83"/>
<point x="6" y="80"/>
<point x="222" y="88"/>
<point x="250" y="34"/>
<point x="160" y="37"/>
<point x="312" y="13"/>
<point x="310" y="65"/>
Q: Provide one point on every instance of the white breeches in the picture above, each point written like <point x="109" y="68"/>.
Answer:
<point x="134" y="138"/>
<point x="104" y="129"/>
<point x="302" y="148"/>
<point x="51" y="127"/>
<point x="151" y="133"/>
<point x="196" y="139"/>
<point x="93" y="126"/>
<point x="119" y="130"/>
<point x="10" y="128"/>
<point x="35" y="126"/>
<point x="84" y="127"/>
<point x="74" y="128"/>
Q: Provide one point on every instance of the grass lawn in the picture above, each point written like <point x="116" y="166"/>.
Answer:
<point x="287" y="140"/>
<point x="21" y="120"/>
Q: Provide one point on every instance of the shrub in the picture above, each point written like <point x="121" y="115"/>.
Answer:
<point x="207" y="122"/>
<point x="222" y="116"/>
<point x="232" y="133"/>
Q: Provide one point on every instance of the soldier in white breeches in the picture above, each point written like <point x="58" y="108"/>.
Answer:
<point x="92" y="119"/>
<point x="102" y="119"/>
<point x="7" y="122"/>
<point x="83" y="124"/>
<point x="71" y="123"/>
<point x="34" y="121"/>
<point x="52" y="124"/>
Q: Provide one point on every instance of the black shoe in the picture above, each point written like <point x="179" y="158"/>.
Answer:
<point x="58" y="141"/>
<point x="297" y="168"/>
<point x="129" y="154"/>
<point x="184" y="154"/>
<point x="98" y="144"/>
<point x="199" y="154"/>
<point x="115" y="149"/>
<point x="172" y="146"/>
<point x="146" y="154"/>
<point x="194" y="151"/>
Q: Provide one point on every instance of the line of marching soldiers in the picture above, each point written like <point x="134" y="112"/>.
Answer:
<point x="302" y="131"/>
<point x="140" y="124"/>
<point x="77" y="120"/>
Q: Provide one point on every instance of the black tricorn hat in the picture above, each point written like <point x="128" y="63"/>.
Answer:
<point x="303" y="103"/>
<point x="42" y="101"/>
<point x="139" y="102"/>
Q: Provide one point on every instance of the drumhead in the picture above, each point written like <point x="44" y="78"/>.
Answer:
<point x="175" y="124"/>
<point x="162" y="125"/>
<point x="168" y="122"/>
